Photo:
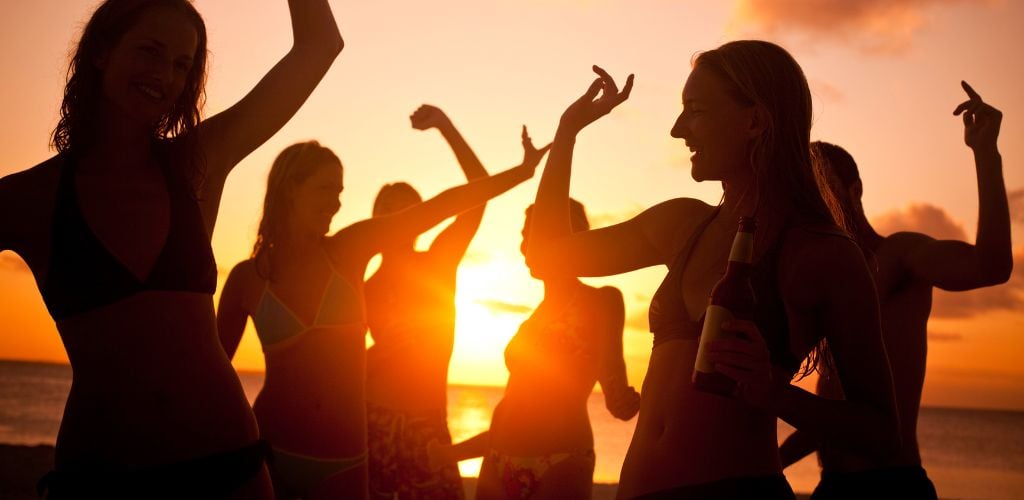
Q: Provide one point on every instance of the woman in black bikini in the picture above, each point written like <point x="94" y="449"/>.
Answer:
<point x="116" y="230"/>
<point x="746" y="117"/>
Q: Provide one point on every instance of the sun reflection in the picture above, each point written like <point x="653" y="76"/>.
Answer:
<point x="471" y="415"/>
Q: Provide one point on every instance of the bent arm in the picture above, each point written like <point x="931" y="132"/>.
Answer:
<point x="834" y="286"/>
<point x="231" y="135"/>
<point x="476" y="446"/>
<point x="957" y="265"/>
<point x="231" y="315"/>
<point x="453" y="241"/>
<point x="370" y="236"/>
<point x="621" y="400"/>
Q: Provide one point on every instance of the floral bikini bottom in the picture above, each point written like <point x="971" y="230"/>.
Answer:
<point x="521" y="476"/>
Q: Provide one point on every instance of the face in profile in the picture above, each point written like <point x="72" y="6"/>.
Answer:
<point x="315" y="199"/>
<point x="145" y="73"/>
<point x="717" y="128"/>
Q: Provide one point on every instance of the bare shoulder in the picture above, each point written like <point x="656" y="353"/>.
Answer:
<point x="244" y="276"/>
<point x="609" y="297"/>
<point x="27" y="185"/>
<point x="27" y="201"/>
<point x="669" y="223"/>
<point x="897" y="245"/>
<point x="813" y="259"/>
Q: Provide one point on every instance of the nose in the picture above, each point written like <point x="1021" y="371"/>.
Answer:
<point x="679" y="128"/>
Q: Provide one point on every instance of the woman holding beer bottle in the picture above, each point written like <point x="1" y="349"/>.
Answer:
<point x="746" y="117"/>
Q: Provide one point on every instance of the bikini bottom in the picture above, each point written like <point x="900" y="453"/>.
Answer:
<point x="209" y="477"/>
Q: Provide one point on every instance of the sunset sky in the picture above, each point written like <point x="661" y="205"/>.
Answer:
<point x="884" y="75"/>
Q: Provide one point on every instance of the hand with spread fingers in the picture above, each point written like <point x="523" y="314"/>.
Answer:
<point x="531" y="155"/>
<point x="981" y="121"/>
<point x="590" y="107"/>
<point x="427" y="117"/>
<point x="746" y="360"/>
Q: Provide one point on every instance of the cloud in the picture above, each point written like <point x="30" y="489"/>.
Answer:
<point x="872" y="26"/>
<point x="921" y="218"/>
<point x="11" y="262"/>
<point x="827" y="91"/>
<point x="1016" y="199"/>
<point x="500" y="307"/>
<point x="944" y="337"/>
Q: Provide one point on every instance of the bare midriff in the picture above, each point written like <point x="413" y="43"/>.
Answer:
<point x="312" y="400"/>
<point x="686" y="437"/>
<point x="151" y="384"/>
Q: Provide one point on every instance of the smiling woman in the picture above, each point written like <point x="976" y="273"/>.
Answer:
<point x="116" y="230"/>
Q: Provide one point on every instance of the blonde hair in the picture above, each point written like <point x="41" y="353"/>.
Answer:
<point x="293" y="165"/>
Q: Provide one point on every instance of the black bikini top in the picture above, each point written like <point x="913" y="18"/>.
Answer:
<point x="669" y="318"/>
<point x="83" y="275"/>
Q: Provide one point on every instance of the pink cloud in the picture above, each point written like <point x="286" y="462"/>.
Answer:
<point x="874" y="26"/>
<point x="921" y="218"/>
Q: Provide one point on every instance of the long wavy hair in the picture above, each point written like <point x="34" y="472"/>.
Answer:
<point x="759" y="73"/>
<point x="83" y="92"/>
<point x="293" y="165"/>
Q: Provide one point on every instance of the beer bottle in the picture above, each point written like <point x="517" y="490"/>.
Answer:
<point x="732" y="297"/>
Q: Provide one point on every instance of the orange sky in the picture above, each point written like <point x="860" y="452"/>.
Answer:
<point x="884" y="76"/>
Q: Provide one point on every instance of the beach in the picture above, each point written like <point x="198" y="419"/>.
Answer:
<point x="968" y="453"/>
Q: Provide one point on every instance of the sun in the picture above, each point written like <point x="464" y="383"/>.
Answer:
<point x="493" y="298"/>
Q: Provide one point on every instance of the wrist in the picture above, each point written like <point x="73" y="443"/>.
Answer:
<point x="986" y="154"/>
<point x="565" y="134"/>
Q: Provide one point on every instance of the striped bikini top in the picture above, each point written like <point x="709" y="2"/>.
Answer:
<point x="278" y="326"/>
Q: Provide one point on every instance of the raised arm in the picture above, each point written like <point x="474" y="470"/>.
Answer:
<point x="368" y="237"/>
<point x="231" y="315"/>
<point x="553" y="247"/>
<point x="231" y="135"/>
<point x="451" y="244"/>
<point x="620" y="398"/>
<point x="956" y="265"/>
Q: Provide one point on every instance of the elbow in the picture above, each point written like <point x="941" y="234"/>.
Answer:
<point x="996" y="271"/>
<point x="324" y="47"/>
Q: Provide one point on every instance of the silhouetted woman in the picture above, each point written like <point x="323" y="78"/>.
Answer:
<point x="540" y="444"/>
<point x="116" y="229"/>
<point x="746" y="118"/>
<point x="410" y="305"/>
<point x="304" y="291"/>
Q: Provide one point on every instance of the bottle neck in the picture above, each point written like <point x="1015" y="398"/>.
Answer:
<point x="742" y="251"/>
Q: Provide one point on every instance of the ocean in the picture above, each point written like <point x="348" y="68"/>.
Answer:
<point x="968" y="453"/>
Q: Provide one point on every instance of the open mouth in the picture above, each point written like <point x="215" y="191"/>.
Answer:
<point x="152" y="92"/>
<point x="696" y="150"/>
